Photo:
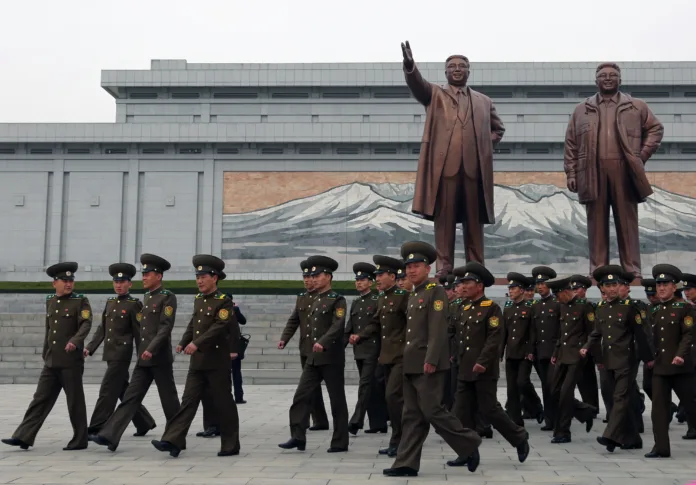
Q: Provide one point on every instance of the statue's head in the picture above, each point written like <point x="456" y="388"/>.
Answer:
<point x="457" y="70"/>
<point x="608" y="77"/>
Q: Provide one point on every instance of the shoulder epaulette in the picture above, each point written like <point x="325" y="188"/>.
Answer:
<point x="678" y="304"/>
<point x="304" y="293"/>
<point x="581" y="301"/>
<point x="132" y="298"/>
<point x="627" y="301"/>
<point x="75" y="296"/>
<point x="48" y="297"/>
<point x="332" y="294"/>
<point x="166" y="292"/>
<point x="508" y="303"/>
<point x="221" y="296"/>
<point x="400" y="292"/>
<point x="468" y="305"/>
<point x="529" y="303"/>
<point x="199" y="295"/>
<point x="458" y="301"/>
<point x="375" y="296"/>
<point x="486" y="303"/>
<point x="430" y="286"/>
<point x="112" y="298"/>
<point x="534" y="301"/>
<point x="601" y="303"/>
<point x="381" y="293"/>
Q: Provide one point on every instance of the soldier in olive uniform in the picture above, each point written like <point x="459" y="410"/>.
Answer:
<point x="426" y="360"/>
<point x="577" y="323"/>
<point x="618" y="328"/>
<point x="448" y="283"/>
<point x="156" y="358"/>
<point x="120" y="332"/>
<point x="545" y="329"/>
<point x="326" y="362"/>
<point x="530" y="291"/>
<point x="389" y="323"/>
<point x="211" y="339"/>
<point x="587" y="381"/>
<point x="299" y="319"/>
<point x="68" y="320"/>
<point x="365" y="341"/>
<point x="480" y="341"/>
<point x="403" y="282"/>
<point x="519" y="351"/>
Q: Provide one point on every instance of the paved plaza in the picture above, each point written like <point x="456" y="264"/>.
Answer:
<point x="264" y="425"/>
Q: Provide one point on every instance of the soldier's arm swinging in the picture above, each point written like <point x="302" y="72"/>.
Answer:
<point x="166" y="324"/>
<point x="489" y="353"/>
<point x="220" y="326"/>
<point x="98" y="336"/>
<point x="84" y="324"/>
<point x="438" y="342"/>
<point x="335" y="332"/>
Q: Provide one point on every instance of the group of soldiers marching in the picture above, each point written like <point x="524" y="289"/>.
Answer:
<point x="428" y="353"/>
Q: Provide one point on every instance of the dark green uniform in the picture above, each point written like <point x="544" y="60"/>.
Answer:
<point x="453" y="313"/>
<point x="544" y="334"/>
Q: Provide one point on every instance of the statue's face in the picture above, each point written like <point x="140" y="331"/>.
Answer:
<point x="608" y="80"/>
<point x="457" y="71"/>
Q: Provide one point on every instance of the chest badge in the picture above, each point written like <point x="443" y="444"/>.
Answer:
<point x="223" y="314"/>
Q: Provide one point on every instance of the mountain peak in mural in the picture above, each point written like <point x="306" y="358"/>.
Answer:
<point x="535" y="224"/>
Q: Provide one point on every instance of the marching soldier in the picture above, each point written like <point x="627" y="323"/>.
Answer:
<point x="120" y="332"/>
<point x="211" y="339"/>
<point x="618" y="328"/>
<point x="480" y="341"/>
<point x="545" y="328"/>
<point x="518" y="350"/>
<point x="156" y="359"/>
<point x="68" y="320"/>
<point x="365" y="341"/>
<point x="299" y="319"/>
<point x="448" y="283"/>
<point x="389" y="323"/>
<point x="326" y="362"/>
<point x="426" y="360"/>
<point x="577" y="323"/>
<point x="587" y="381"/>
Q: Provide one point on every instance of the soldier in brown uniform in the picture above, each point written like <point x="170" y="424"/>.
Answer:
<point x="530" y="291"/>
<point x="299" y="319"/>
<point x="120" y="332"/>
<point x="402" y="281"/>
<point x="365" y="341"/>
<point x="480" y="341"/>
<point x="587" y="381"/>
<point x="545" y="329"/>
<point x="326" y="362"/>
<point x="156" y="358"/>
<point x="68" y="320"/>
<point x="426" y="360"/>
<point x="577" y="323"/>
<point x="618" y="328"/>
<point x="211" y="339"/>
<point x="389" y="324"/>
<point x="518" y="349"/>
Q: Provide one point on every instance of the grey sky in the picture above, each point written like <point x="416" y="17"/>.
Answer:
<point x="52" y="52"/>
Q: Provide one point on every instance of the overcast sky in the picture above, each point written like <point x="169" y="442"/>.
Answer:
<point x="52" y="52"/>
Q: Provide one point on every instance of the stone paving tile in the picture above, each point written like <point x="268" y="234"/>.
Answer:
<point x="264" y="425"/>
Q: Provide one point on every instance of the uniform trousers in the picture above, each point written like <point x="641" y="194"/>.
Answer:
<point x="51" y="382"/>
<point x="217" y="384"/>
<point x="481" y="396"/>
<point x="312" y="376"/>
<point x="379" y="389"/>
<point x="317" y="410"/>
<point x="587" y="382"/>
<point x="544" y="369"/>
<point x="113" y="387"/>
<point x="237" y="380"/>
<point x="450" y="386"/>
<point x="564" y="380"/>
<point x="684" y="386"/>
<point x="163" y="376"/>
<point x="394" y="395"/>
<point x="421" y="411"/>
<point x="519" y="384"/>
<point x="623" y="423"/>
<point x="368" y="397"/>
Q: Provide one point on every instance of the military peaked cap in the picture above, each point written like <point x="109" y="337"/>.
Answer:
<point x="62" y="271"/>
<point x="650" y="285"/>
<point x="122" y="271"/>
<point x="689" y="280"/>
<point x="580" y="281"/>
<point x="559" y="284"/>
<point x="518" y="279"/>
<point x="418" y="252"/>
<point x="321" y="264"/>
<point x="152" y="262"/>
<point x="385" y="264"/>
<point x="364" y="270"/>
<point x="610" y="273"/>
<point x="666" y="273"/>
<point x="209" y="264"/>
<point x="475" y="272"/>
<point x="543" y="273"/>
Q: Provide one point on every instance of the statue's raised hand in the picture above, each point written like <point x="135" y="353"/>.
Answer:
<point x="408" y="55"/>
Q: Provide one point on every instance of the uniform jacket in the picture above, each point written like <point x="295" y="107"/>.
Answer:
<point x="119" y="329"/>
<point x="640" y="134"/>
<point x="299" y="319"/>
<point x="577" y="323"/>
<point x="673" y="324"/>
<point x="480" y="339"/>
<point x="618" y="340"/>
<point x="440" y="118"/>
<point x="327" y="317"/>
<point x="545" y="326"/>
<point x="68" y="319"/>
<point x="213" y="328"/>
<point x="389" y="324"/>
<point x="426" y="329"/>
<point x="362" y="312"/>
<point x="453" y="316"/>
<point x="159" y="313"/>
<point x="517" y="329"/>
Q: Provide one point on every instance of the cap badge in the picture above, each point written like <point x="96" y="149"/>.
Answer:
<point x="411" y="256"/>
<point x="511" y="282"/>
<point x="144" y="266"/>
<point x="120" y="275"/>
<point x="610" y="277"/>
<point x="539" y="277"/>
<point x="306" y="270"/>
<point x="200" y="268"/>
<point x="398" y="272"/>
<point x="359" y="273"/>
<point x="662" y="275"/>
<point x="314" y="268"/>
<point x="68" y="273"/>
<point x="377" y="266"/>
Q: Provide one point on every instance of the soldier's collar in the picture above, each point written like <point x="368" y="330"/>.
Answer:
<point x="618" y="298"/>
<point x="156" y="290"/>
<point x="390" y="289"/>
<point x="519" y="300"/>
<point x="421" y="286"/>
<point x="671" y="300"/>
<point x="123" y="297"/>
<point x="66" y="296"/>
<point x="477" y="300"/>
<point x="213" y="293"/>
<point x="367" y="293"/>
<point x="325" y="292"/>
<point x="572" y="300"/>
<point x="547" y="297"/>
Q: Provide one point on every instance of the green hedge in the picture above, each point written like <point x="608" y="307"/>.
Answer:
<point x="235" y="287"/>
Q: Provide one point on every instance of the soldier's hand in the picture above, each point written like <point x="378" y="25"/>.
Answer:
<point x="317" y="348"/>
<point x="179" y="348"/>
<point x="583" y="352"/>
<point x="190" y="348"/>
<point x="452" y="359"/>
<point x="281" y="345"/>
<point x="678" y="361"/>
<point x="429" y="368"/>
<point x="233" y="356"/>
<point x="479" y="369"/>
<point x="650" y="364"/>
<point x="572" y="184"/>
<point x="146" y="355"/>
<point x="354" y="339"/>
<point x="85" y="353"/>
<point x="530" y="357"/>
<point x="70" y="347"/>
<point x="553" y="360"/>
<point x="408" y="55"/>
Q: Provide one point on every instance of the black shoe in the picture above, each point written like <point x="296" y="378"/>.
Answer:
<point x="523" y="450"/>
<point x="16" y="442"/>
<point x="547" y="427"/>
<point x="605" y="420"/>
<point x="560" y="439"/>
<point x="317" y="427"/>
<point x="354" y="428"/>
<point x="336" y="449"/>
<point x="240" y="401"/>
<point x="143" y="432"/>
<point x="402" y="471"/>
<point x="228" y="453"/>
<point x="486" y="433"/>
<point x="655" y="454"/>
<point x="690" y="435"/>
<point x="210" y="432"/>
<point x="526" y="415"/>
<point x="673" y="409"/>
<point x="293" y="443"/>
<point x="390" y="451"/>
<point x="634" y="446"/>
<point x="100" y="440"/>
<point x="681" y="416"/>
<point x="588" y="424"/>
<point x="376" y="430"/>
<point x="609" y="444"/>
<point x="540" y="417"/>
<point x="459" y="461"/>
<point x="473" y="461"/>
<point x="91" y="437"/>
<point x="166" y="446"/>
